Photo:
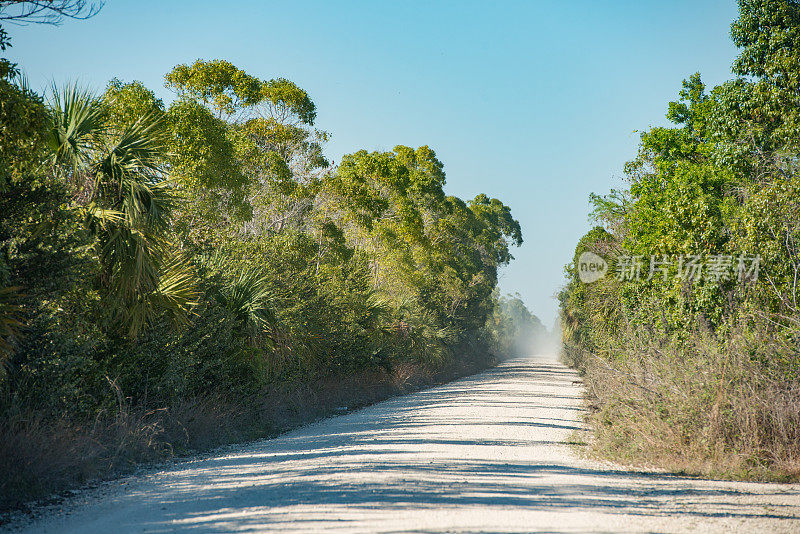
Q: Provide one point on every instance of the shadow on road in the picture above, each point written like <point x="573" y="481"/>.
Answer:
<point x="495" y="442"/>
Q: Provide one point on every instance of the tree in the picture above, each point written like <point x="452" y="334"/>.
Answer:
<point x="761" y="113"/>
<point x="233" y="94"/>
<point x="218" y="84"/>
<point x="267" y="125"/>
<point x="120" y="188"/>
<point x="423" y="246"/>
<point x="22" y="122"/>
<point x="198" y="153"/>
<point x="517" y="331"/>
<point x="47" y="11"/>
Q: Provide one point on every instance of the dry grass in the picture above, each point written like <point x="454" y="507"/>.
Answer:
<point x="720" y="410"/>
<point x="39" y="458"/>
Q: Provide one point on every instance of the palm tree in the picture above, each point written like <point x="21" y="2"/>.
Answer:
<point x="125" y="199"/>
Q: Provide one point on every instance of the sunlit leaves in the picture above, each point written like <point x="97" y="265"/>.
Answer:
<point x="22" y="128"/>
<point x="203" y="159"/>
<point x="232" y="93"/>
<point x="440" y="250"/>
<point x="125" y="103"/>
<point x="285" y="100"/>
<point x="217" y="84"/>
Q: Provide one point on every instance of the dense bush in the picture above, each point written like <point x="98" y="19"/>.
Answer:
<point x="702" y="372"/>
<point x="153" y="256"/>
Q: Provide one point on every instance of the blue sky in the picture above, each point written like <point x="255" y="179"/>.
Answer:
<point x="535" y="103"/>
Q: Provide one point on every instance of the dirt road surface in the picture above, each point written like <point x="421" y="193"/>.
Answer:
<point x="487" y="453"/>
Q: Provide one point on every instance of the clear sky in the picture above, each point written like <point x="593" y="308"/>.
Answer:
<point x="535" y="103"/>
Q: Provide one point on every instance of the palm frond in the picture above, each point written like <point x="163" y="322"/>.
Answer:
<point x="98" y="218"/>
<point x="250" y="299"/>
<point x="75" y="123"/>
<point x="135" y="264"/>
<point x="23" y="83"/>
<point x="130" y="173"/>
<point x="126" y="202"/>
<point x="147" y="284"/>
<point x="177" y="291"/>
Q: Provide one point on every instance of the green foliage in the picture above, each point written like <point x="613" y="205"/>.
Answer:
<point x="218" y="84"/>
<point x="722" y="181"/>
<point x="229" y="91"/>
<point x="117" y="175"/>
<point x="76" y="120"/>
<point x="124" y="103"/>
<point x="761" y="112"/>
<point x="436" y="250"/>
<point x="10" y="322"/>
<point x="156" y="254"/>
<point x="243" y="148"/>
<point x="247" y="295"/>
<point x="22" y="124"/>
<point x="768" y="32"/>
<point x="286" y="100"/>
<point x="203" y="161"/>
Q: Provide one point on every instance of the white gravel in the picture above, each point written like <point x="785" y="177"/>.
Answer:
<point x="487" y="453"/>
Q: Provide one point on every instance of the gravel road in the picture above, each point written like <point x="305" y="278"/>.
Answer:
<point x="487" y="453"/>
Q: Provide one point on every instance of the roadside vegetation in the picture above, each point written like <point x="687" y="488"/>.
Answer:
<point x="701" y="374"/>
<point x="176" y="275"/>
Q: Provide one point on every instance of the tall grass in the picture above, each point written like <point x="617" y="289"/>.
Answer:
<point x="39" y="456"/>
<point x="724" y="405"/>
